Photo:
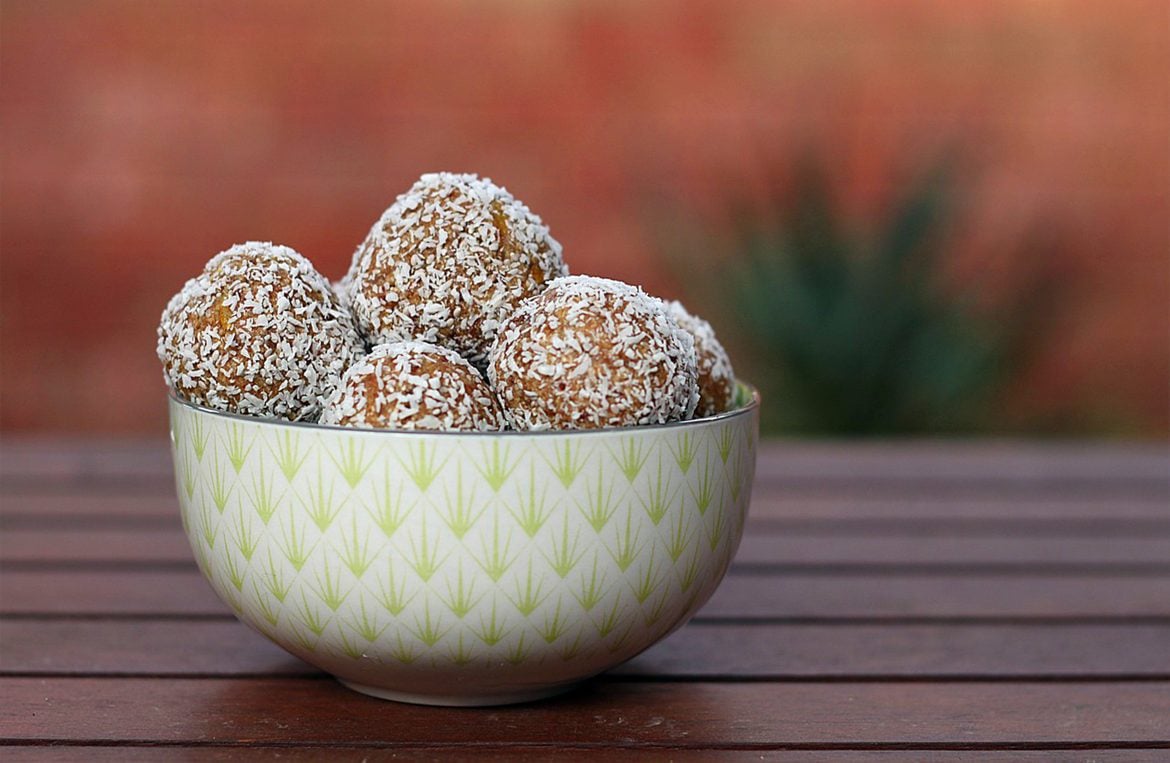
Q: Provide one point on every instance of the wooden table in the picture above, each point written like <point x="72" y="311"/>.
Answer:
<point x="888" y="598"/>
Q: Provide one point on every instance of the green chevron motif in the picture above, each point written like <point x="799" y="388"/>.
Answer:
<point x="599" y="505"/>
<point x="461" y="599"/>
<point x="726" y="439"/>
<point x="293" y="543"/>
<point x="364" y="626"/>
<point x="648" y="582"/>
<point x="680" y="537"/>
<point x="237" y="447"/>
<point x="591" y="590"/>
<point x="566" y="551"/>
<point x="571" y="651"/>
<point x="684" y="451"/>
<point x="350" y="461"/>
<point x="388" y="510"/>
<point x="631" y="457"/>
<point x="451" y="565"/>
<point x="286" y="448"/>
<point x="494" y="466"/>
<point x="274" y="579"/>
<point x="199" y="435"/>
<point x="691" y="573"/>
<point x="185" y="472"/>
<point x="355" y="550"/>
<point x="460" y="513"/>
<point x="221" y="491"/>
<point x="494" y="559"/>
<point x="703" y="489"/>
<point x="328" y="587"/>
<point x="625" y="550"/>
<point x="244" y="537"/>
<point x="391" y="594"/>
<point x="490" y="632"/>
<point x="350" y="647"/>
<point x="567" y="462"/>
<point x="403" y="652"/>
<point x="421" y="465"/>
<point x="531" y="510"/>
<point x="319" y="504"/>
<point x="657" y="500"/>
<point x="208" y="526"/>
<point x="527" y="596"/>
<point x="270" y="613"/>
<point x="654" y="615"/>
<point x="261" y="498"/>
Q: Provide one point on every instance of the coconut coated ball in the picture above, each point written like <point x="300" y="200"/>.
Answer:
<point x="259" y="332"/>
<point x="589" y="353"/>
<point x="447" y="262"/>
<point x="716" y="379"/>
<point x="413" y="385"/>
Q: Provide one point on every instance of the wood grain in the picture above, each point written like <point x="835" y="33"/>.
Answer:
<point x="762" y="545"/>
<point x="889" y="601"/>
<point x="51" y="506"/>
<point x="1122" y="468"/>
<point x="745" y="596"/>
<point x="609" y="713"/>
<point x="699" y="650"/>
<point x="506" y="752"/>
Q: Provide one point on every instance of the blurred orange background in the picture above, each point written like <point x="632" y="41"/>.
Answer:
<point x="140" y="138"/>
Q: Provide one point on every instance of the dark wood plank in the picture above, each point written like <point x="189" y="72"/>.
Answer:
<point x="1002" y="462"/>
<point x="789" y="594"/>
<point x="82" y="461"/>
<point x="943" y="509"/>
<point x="140" y="545"/>
<point x="603" y="713"/>
<point x="499" y="752"/>
<point x="74" y="506"/>
<point x="762" y="544"/>
<point x="1130" y="467"/>
<point x="699" y="650"/>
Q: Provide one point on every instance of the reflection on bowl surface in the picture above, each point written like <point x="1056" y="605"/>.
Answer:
<point x="463" y="568"/>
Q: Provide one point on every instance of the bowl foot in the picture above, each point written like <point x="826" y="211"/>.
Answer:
<point x="459" y="700"/>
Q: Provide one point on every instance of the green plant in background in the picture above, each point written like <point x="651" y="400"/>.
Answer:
<point x="849" y="333"/>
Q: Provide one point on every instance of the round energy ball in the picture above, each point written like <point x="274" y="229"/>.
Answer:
<point x="447" y="262"/>
<point x="259" y="332"/>
<point x="589" y="353"/>
<point x="716" y="379"/>
<point x="413" y="385"/>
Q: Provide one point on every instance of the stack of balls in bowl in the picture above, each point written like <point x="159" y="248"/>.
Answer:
<point x="457" y="313"/>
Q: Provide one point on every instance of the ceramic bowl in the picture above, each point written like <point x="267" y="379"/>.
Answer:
<point x="463" y="568"/>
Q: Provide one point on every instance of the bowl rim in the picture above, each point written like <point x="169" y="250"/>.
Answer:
<point x="744" y="391"/>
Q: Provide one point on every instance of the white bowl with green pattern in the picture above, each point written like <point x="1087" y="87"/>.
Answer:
<point x="463" y="568"/>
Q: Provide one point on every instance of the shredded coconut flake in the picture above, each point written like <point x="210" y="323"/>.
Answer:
<point x="592" y="352"/>
<point x="716" y="377"/>
<point x="448" y="262"/>
<point x="413" y="385"/>
<point x="259" y="332"/>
